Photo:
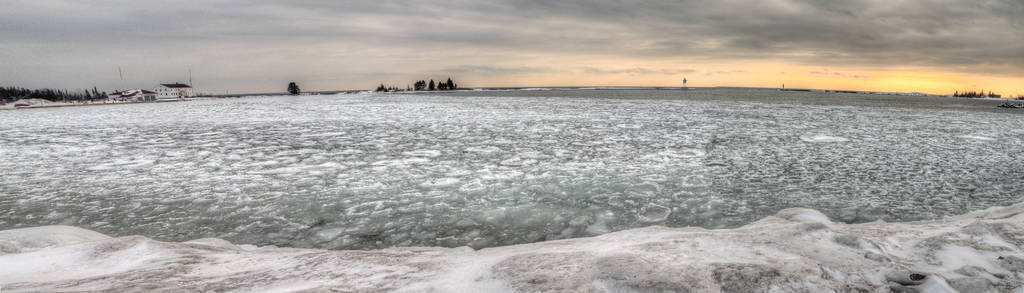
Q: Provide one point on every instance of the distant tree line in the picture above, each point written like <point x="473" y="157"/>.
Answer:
<point x="382" y="88"/>
<point x="974" y="94"/>
<point x="10" y="94"/>
<point x="423" y="85"/>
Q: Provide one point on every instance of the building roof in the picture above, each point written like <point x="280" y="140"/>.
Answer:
<point x="176" y="85"/>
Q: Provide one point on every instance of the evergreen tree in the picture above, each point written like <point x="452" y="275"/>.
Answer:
<point x="293" y="88"/>
<point x="431" y="86"/>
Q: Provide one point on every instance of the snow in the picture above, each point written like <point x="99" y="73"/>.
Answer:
<point x="32" y="103"/>
<point x="32" y="239"/>
<point x="37" y="103"/>
<point x="797" y="250"/>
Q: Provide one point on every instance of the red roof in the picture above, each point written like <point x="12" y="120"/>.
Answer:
<point x="176" y="85"/>
<point x="147" y="92"/>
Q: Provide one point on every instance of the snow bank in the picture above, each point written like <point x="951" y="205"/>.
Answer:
<point x="32" y="239"/>
<point x="798" y="250"/>
<point x="30" y="103"/>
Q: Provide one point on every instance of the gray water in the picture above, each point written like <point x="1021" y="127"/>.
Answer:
<point x="484" y="169"/>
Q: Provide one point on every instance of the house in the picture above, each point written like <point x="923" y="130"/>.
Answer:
<point x="137" y="95"/>
<point x="167" y="91"/>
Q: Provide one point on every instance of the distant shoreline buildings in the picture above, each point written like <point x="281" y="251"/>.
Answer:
<point x="162" y="92"/>
<point x="174" y="90"/>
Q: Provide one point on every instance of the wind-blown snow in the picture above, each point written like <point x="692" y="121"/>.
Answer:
<point x="798" y="250"/>
<point x="369" y="171"/>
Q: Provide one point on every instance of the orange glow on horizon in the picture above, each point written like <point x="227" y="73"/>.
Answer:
<point x="752" y="74"/>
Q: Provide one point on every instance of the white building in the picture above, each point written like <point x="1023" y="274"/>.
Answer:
<point x="174" y="91"/>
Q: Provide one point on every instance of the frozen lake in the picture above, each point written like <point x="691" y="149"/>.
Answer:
<point x="485" y="169"/>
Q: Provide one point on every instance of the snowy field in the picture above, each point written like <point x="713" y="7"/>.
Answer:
<point x="367" y="171"/>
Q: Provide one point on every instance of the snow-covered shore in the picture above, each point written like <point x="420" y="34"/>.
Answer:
<point x="41" y="103"/>
<point x="797" y="250"/>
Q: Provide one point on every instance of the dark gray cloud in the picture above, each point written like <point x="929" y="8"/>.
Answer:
<point x="63" y="43"/>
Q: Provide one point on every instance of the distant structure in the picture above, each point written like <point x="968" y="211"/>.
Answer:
<point x="168" y="91"/>
<point x="136" y="95"/>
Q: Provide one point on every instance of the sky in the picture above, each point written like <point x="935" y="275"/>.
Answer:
<point x="236" y="46"/>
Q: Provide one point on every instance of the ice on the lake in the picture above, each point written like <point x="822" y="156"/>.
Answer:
<point x="798" y="250"/>
<point x="369" y="171"/>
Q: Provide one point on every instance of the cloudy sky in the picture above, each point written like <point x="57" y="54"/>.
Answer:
<point x="253" y="46"/>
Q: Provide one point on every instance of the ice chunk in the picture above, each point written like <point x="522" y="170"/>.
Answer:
<point x="423" y="153"/>
<point x="821" y="138"/>
<point x="440" y="182"/>
<point x="954" y="257"/>
<point x="976" y="137"/>
<point x="653" y="213"/>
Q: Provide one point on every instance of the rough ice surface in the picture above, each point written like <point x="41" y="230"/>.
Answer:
<point x="798" y="250"/>
<point x="485" y="169"/>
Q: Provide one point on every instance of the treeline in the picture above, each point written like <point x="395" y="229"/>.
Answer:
<point x="423" y="85"/>
<point x="385" y="89"/>
<point x="974" y="94"/>
<point x="10" y="94"/>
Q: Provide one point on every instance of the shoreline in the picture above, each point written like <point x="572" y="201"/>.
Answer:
<point x="795" y="250"/>
<point x="464" y="90"/>
<point x="87" y="104"/>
